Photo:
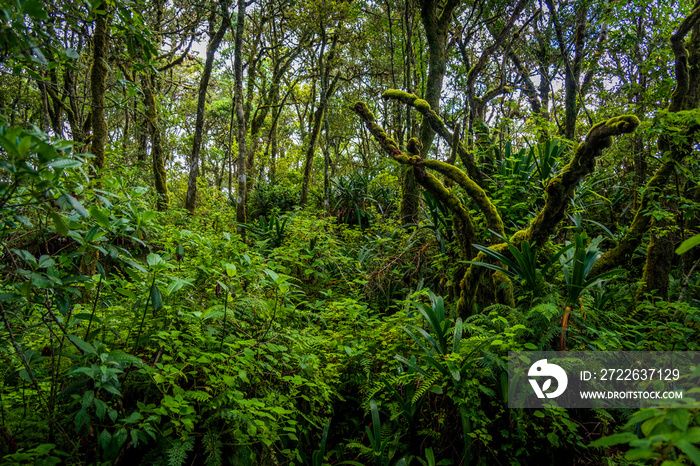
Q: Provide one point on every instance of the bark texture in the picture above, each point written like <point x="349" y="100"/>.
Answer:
<point x="98" y="80"/>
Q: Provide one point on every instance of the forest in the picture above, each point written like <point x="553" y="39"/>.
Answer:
<point x="275" y="232"/>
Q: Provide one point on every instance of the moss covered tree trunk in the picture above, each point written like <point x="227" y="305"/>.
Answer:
<point x="240" y="117"/>
<point x="558" y="191"/>
<point x="157" y="157"/>
<point x="660" y="257"/>
<point x="436" y="20"/>
<point x="98" y="83"/>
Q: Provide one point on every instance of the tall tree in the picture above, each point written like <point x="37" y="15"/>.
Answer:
<point x="214" y="42"/>
<point x="327" y="88"/>
<point x="240" y="115"/>
<point x="98" y="85"/>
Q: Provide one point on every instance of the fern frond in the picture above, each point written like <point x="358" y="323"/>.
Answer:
<point x="212" y="446"/>
<point x="177" y="453"/>
<point x="424" y="386"/>
<point x="197" y="395"/>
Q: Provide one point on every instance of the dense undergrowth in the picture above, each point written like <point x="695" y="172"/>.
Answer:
<point x="136" y="337"/>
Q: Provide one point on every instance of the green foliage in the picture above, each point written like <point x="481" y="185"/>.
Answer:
<point x="271" y="198"/>
<point x="271" y="231"/>
<point x="577" y="263"/>
<point x="351" y="199"/>
<point x="130" y="336"/>
<point x="524" y="266"/>
<point x="666" y="436"/>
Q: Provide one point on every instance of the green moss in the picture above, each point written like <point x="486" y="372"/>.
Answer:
<point x="493" y="218"/>
<point x="399" y="95"/>
<point x="504" y="289"/>
<point x="421" y="105"/>
<point x="414" y="146"/>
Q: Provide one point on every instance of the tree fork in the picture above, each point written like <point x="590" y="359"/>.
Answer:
<point x="439" y="127"/>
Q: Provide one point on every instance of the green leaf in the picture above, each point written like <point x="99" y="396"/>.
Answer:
<point x="690" y="450"/>
<point x="82" y="344"/>
<point x="148" y="216"/>
<point x="87" y="399"/>
<point x="65" y="163"/>
<point x="153" y="259"/>
<point x="59" y="224"/>
<point x="92" y="233"/>
<point x="71" y="53"/>
<point x="24" y="145"/>
<point x="614" y="439"/>
<point x="35" y="9"/>
<point x="76" y="205"/>
<point x="271" y="274"/>
<point x="156" y="298"/>
<point x="688" y="244"/>
<point x="100" y="409"/>
<point x="45" y="262"/>
<point x="121" y="356"/>
<point x="100" y="216"/>
<point x="680" y="418"/>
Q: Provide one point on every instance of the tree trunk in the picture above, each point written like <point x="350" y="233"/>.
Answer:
<point x="325" y="61"/>
<point x="157" y="158"/>
<point x="98" y="79"/>
<point x="685" y="97"/>
<point x="201" y="100"/>
<point x="240" y="116"/>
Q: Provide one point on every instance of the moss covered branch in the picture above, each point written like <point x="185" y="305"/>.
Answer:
<point x="674" y="153"/>
<point x="681" y="55"/>
<point x="473" y="190"/>
<point x="558" y="192"/>
<point x="439" y="127"/>
<point x="463" y="221"/>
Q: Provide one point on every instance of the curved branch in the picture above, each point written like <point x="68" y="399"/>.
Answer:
<point x="640" y="224"/>
<point x="439" y="127"/>
<point x="493" y="219"/>
<point x="558" y="192"/>
<point x="560" y="188"/>
<point x="463" y="222"/>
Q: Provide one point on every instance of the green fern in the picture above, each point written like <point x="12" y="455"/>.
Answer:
<point x="212" y="446"/>
<point x="197" y="395"/>
<point x="424" y="386"/>
<point x="177" y="453"/>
